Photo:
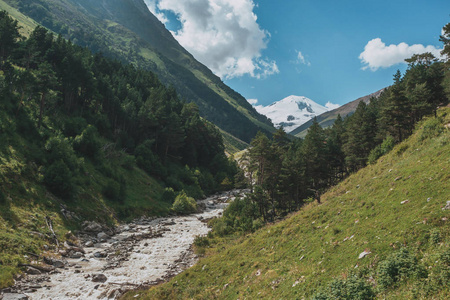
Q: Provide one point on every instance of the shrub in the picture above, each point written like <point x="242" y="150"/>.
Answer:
<point x="168" y="195"/>
<point x="59" y="179"/>
<point x="88" y="143"/>
<point x="398" y="266"/>
<point x="128" y="161"/>
<point x="435" y="236"/>
<point x="432" y="128"/>
<point x="380" y="150"/>
<point x="59" y="148"/>
<point x="184" y="204"/>
<point x="201" y="241"/>
<point x="148" y="161"/>
<point x="219" y="226"/>
<point x="115" y="190"/>
<point x="112" y="189"/>
<point x="351" y="288"/>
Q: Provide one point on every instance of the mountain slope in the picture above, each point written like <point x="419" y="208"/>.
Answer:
<point x="327" y="119"/>
<point x="382" y="231"/>
<point x="126" y="30"/>
<point x="292" y="111"/>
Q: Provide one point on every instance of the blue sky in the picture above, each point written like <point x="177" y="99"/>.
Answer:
<point x="267" y="50"/>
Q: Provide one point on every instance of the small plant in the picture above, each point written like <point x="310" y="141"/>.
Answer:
<point x="435" y="236"/>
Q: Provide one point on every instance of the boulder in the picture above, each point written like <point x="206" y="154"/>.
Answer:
<point x="33" y="271"/>
<point x="102" y="236"/>
<point x="99" y="278"/>
<point x="76" y="255"/>
<point x="91" y="226"/>
<point x="58" y="264"/>
<point x="100" y="254"/>
<point x="89" y="244"/>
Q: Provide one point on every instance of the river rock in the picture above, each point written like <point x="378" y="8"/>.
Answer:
<point x="11" y="296"/>
<point x="102" y="236"/>
<point x="76" y="255"/>
<point x="99" y="278"/>
<point x="33" y="271"/>
<point x="54" y="262"/>
<point x="89" y="244"/>
<point x="91" y="226"/>
<point x="58" y="264"/>
<point x="100" y="254"/>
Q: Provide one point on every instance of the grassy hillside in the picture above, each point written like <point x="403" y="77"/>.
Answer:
<point x="127" y="31"/>
<point x="327" y="119"/>
<point x="392" y="210"/>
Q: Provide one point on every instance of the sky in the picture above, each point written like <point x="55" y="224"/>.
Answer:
<point x="328" y="51"/>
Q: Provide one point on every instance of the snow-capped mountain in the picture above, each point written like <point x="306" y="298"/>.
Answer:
<point x="293" y="111"/>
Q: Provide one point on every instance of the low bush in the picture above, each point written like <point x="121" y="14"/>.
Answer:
<point x="88" y="142"/>
<point x="168" y="195"/>
<point x="380" y="150"/>
<point x="350" y="288"/>
<point x="184" y="204"/>
<point x="398" y="266"/>
<point x="432" y="128"/>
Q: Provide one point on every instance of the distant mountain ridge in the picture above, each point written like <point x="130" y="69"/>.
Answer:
<point x="327" y="119"/>
<point x="128" y="31"/>
<point x="291" y="111"/>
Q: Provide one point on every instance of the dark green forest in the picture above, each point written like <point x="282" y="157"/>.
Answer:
<point x="128" y="32"/>
<point x="64" y="107"/>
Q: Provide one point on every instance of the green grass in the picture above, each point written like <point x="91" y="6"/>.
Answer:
<point x="297" y="257"/>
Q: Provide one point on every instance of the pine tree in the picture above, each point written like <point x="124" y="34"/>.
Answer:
<point x="314" y="150"/>
<point x="397" y="110"/>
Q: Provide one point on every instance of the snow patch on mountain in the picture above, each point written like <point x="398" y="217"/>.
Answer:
<point x="293" y="111"/>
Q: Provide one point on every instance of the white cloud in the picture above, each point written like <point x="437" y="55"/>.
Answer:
<point x="377" y="55"/>
<point x="222" y="34"/>
<point x="301" y="59"/>
<point x="252" y="101"/>
<point x="331" y="106"/>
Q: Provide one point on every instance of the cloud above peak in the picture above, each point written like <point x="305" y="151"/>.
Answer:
<point x="377" y="55"/>
<point x="222" y="34"/>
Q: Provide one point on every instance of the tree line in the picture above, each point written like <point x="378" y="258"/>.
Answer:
<point x="284" y="173"/>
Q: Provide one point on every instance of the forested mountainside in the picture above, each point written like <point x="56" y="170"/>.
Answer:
<point x="126" y="30"/>
<point x="94" y="137"/>
<point x="328" y="118"/>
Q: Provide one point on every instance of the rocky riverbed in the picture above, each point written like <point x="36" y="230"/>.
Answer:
<point x="104" y="263"/>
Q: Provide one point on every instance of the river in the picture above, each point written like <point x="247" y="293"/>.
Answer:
<point x="140" y="254"/>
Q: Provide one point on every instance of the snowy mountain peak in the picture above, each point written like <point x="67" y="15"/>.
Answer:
<point x="293" y="111"/>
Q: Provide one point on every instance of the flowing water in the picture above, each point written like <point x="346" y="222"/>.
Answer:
<point x="144" y="253"/>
